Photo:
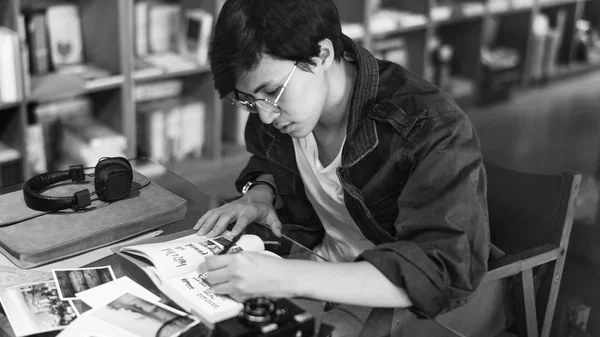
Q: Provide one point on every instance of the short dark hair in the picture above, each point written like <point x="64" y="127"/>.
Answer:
<point x="284" y="29"/>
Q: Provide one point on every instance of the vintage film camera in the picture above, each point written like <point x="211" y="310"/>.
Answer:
<point x="263" y="316"/>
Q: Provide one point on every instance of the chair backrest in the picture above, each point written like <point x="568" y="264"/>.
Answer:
<point x="528" y="210"/>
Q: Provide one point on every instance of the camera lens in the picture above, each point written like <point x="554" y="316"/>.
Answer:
<point x="258" y="311"/>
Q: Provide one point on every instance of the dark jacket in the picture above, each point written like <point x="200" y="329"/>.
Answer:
<point x="413" y="180"/>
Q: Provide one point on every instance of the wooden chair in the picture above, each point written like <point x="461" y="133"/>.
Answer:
<point x="531" y="216"/>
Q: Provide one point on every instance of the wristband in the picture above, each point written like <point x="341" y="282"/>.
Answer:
<point x="252" y="183"/>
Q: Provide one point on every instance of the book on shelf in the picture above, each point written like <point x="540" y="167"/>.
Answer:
<point x="36" y="151"/>
<point x="198" y="28"/>
<point x="164" y="26"/>
<point x="171" y="62"/>
<point x="140" y="30"/>
<point x="143" y="69"/>
<point x="172" y="129"/>
<point x="11" y="76"/>
<point x="172" y="262"/>
<point x="171" y="38"/>
<point x="85" y="140"/>
<point x="64" y="32"/>
<point x="26" y="71"/>
<point x="49" y="115"/>
<point x="54" y="37"/>
<point x="37" y="42"/>
<point x="158" y="90"/>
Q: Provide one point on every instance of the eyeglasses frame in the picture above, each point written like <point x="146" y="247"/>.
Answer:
<point x="251" y="105"/>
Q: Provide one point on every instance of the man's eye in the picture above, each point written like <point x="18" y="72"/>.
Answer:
<point x="273" y="92"/>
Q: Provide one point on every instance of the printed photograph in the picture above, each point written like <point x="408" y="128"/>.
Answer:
<point x="36" y="308"/>
<point x="212" y="246"/>
<point x="73" y="281"/>
<point x="144" y="318"/>
<point x="224" y="241"/>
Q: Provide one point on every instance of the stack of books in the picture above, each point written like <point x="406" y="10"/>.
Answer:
<point x="169" y="38"/>
<point x="54" y="43"/>
<point x="11" y="68"/>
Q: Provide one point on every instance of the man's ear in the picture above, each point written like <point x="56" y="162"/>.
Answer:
<point x="327" y="54"/>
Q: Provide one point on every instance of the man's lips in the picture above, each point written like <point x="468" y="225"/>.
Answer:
<point x="281" y="126"/>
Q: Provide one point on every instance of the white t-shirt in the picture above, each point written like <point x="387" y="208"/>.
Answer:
<point x="343" y="240"/>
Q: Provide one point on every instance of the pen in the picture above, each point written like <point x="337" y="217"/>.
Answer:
<point x="230" y="244"/>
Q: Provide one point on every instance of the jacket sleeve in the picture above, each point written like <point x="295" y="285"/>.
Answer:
<point x="257" y="164"/>
<point x="442" y="231"/>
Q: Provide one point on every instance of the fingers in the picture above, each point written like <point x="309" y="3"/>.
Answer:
<point x="240" y="224"/>
<point x="206" y="222"/>
<point x="201" y="221"/>
<point x="273" y="222"/>
<point x="214" y="262"/>
<point x="218" y="276"/>
<point x="220" y="225"/>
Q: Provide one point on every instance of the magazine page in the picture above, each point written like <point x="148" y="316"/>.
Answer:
<point x="183" y="255"/>
<point x="195" y="295"/>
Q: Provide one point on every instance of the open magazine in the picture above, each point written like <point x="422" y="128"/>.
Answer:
<point x="173" y="267"/>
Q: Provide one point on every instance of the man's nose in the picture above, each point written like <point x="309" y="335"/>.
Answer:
<point x="266" y="116"/>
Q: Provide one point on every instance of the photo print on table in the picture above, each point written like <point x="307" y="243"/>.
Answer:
<point x="35" y="308"/>
<point x="72" y="281"/>
<point x="143" y="318"/>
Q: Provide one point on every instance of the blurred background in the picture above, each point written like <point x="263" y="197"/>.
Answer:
<point x="82" y="79"/>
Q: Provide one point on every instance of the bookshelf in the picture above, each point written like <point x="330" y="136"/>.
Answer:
<point x="109" y="41"/>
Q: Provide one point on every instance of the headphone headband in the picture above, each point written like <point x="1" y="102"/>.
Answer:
<point x="112" y="181"/>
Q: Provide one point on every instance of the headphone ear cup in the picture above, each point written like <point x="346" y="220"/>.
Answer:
<point x="103" y="163"/>
<point x="113" y="179"/>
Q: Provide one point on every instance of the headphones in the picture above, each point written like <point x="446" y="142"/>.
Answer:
<point x="112" y="180"/>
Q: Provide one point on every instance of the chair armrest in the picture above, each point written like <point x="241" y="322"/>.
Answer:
<point x="513" y="264"/>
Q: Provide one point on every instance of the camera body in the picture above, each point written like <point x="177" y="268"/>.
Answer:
<point x="263" y="316"/>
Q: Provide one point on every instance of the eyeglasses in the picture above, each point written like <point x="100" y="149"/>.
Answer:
<point x="264" y="104"/>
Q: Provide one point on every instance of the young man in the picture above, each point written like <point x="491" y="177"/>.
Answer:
<point x="371" y="166"/>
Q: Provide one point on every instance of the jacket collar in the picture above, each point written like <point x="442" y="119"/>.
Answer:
<point x="361" y="135"/>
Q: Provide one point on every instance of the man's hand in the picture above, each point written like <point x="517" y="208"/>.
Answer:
<point x="243" y="212"/>
<point x="246" y="274"/>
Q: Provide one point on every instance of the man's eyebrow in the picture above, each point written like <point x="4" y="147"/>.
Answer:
<point x="267" y="83"/>
<point x="261" y="87"/>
